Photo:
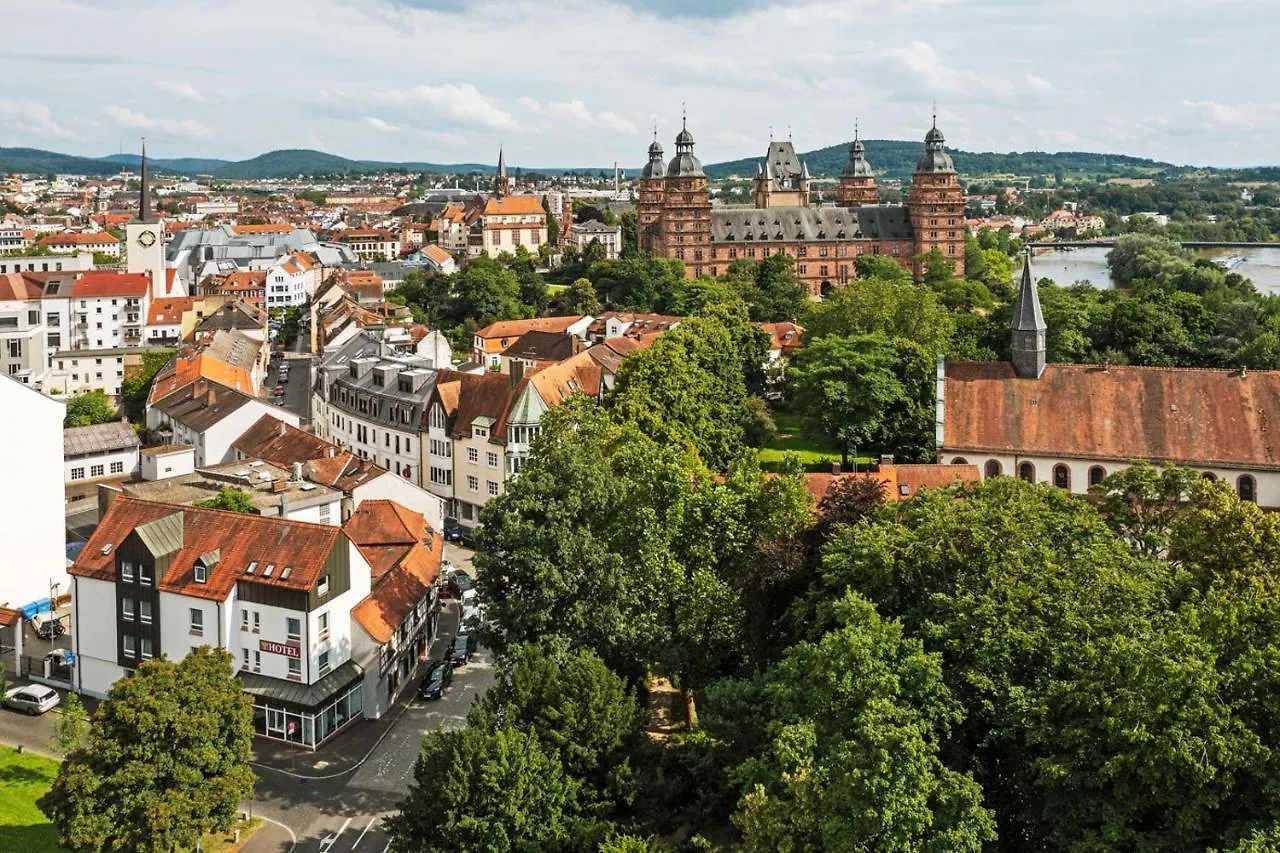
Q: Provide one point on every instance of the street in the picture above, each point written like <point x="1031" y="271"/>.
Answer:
<point x="297" y="390"/>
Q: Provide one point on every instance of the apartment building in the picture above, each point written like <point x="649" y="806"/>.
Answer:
<point x="208" y="416"/>
<point x="162" y="579"/>
<point x="292" y="280"/>
<point x="100" y="242"/>
<point x="98" y="452"/>
<point x="78" y="262"/>
<point x="79" y="370"/>
<point x="109" y="309"/>
<point x="23" y="344"/>
<point x="371" y="244"/>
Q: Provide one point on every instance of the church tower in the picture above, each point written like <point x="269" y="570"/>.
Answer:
<point x="857" y="182"/>
<point x="935" y="204"/>
<point x="1028" y="328"/>
<point x="685" y="225"/>
<point x="501" y="183"/>
<point x="144" y="239"/>
<point x="649" y="204"/>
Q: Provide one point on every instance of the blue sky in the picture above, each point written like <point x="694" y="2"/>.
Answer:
<point x="577" y="82"/>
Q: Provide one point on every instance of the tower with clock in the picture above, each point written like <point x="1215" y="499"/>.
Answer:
<point x="144" y="239"/>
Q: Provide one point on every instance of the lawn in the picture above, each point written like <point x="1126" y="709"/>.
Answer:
<point x="23" y="779"/>
<point x="790" y="441"/>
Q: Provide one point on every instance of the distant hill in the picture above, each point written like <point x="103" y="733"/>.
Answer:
<point x="183" y="165"/>
<point x="893" y="158"/>
<point x="33" y="160"/>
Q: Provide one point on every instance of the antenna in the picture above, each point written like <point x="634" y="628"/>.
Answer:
<point x="684" y="116"/>
<point x="788" y="133"/>
<point x="935" y="113"/>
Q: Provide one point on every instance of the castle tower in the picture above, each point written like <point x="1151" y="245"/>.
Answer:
<point x="685" y="225"/>
<point x="1028" y="328"/>
<point x="935" y="204"/>
<point x="501" y="183"/>
<point x="857" y="182"/>
<point x="649" y="203"/>
<point x="144" y="238"/>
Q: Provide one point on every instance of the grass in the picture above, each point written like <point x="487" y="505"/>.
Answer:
<point x="790" y="441"/>
<point x="24" y="778"/>
<point x="224" y="842"/>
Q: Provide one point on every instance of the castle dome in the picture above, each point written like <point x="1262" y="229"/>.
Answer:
<point x="935" y="158"/>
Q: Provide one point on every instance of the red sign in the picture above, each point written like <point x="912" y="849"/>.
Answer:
<point x="289" y="650"/>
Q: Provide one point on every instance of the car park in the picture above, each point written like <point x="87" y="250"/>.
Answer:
<point x="436" y="681"/>
<point x="32" y="699"/>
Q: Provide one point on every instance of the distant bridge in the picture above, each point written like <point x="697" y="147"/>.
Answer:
<point x="1107" y="244"/>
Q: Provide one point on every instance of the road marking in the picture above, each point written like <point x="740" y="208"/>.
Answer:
<point x="388" y="847"/>
<point x="293" y="839"/>
<point x="372" y="821"/>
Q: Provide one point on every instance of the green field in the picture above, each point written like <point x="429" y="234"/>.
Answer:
<point x="23" y="779"/>
<point x="790" y="441"/>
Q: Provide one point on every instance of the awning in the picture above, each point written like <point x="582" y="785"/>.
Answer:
<point x="307" y="696"/>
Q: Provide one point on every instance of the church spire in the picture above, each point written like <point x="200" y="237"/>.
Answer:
<point x="1028" y="327"/>
<point x="144" y="195"/>
<point x="501" y="183"/>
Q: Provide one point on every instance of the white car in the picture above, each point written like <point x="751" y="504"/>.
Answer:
<point x="33" y="699"/>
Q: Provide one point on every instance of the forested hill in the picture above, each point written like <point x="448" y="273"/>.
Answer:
<point x="894" y="158"/>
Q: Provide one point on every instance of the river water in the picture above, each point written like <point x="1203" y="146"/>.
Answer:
<point x="1066" y="267"/>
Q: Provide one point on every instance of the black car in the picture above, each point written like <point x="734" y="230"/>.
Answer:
<point x="459" y="652"/>
<point x="436" y="680"/>
<point x="452" y="530"/>
<point x="460" y="582"/>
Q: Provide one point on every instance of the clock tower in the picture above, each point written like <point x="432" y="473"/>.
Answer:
<point x="144" y="239"/>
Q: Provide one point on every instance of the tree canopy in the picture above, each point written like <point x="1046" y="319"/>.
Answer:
<point x="88" y="408"/>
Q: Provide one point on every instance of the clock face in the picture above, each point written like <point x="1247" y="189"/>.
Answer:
<point x="147" y="239"/>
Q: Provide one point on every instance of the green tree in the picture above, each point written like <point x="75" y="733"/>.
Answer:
<point x="579" y="298"/>
<point x="1141" y="503"/>
<point x="881" y="267"/>
<point x="231" y="499"/>
<point x="897" y="307"/>
<point x="864" y="391"/>
<point x="166" y="759"/>
<point x="851" y="756"/>
<point x="484" y="290"/>
<point x="769" y="287"/>
<point x="135" y="387"/>
<point x="553" y="224"/>
<point x="72" y="725"/>
<point x="89" y="408"/>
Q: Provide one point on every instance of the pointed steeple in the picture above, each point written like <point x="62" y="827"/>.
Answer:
<point x="144" y="195"/>
<point x="1028" y="327"/>
<point x="501" y="183"/>
<point x="502" y="163"/>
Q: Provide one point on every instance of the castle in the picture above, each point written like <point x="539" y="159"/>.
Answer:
<point x="675" y="218"/>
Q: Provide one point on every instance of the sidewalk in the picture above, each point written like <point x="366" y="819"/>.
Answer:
<point x="347" y="750"/>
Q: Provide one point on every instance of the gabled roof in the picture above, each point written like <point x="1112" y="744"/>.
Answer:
<point x="900" y="482"/>
<point x="168" y="311"/>
<point x="399" y="589"/>
<point x="201" y="404"/>
<point x="1186" y="415"/>
<point x="182" y="372"/>
<point x="514" y="205"/>
<point x="282" y="444"/>
<point x="516" y="328"/>
<point x="467" y="396"/>
<point x="76" y="238"/>
<point x="539" y="345"/>
<point x="100" y="284"/>
<point x="17" y="287"/>
<point x="383" y="522"/>
<point x="557" y="382"/>
<point x="98" y="438"/>
<point x="268" y="228"/>
<point x="436" y="254"/>
<point x="238" y="538"/>
<point x="786" y="337"/>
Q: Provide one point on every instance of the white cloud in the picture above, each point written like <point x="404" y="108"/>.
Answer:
<point x="134" y="120"/>
<point x="1228" y="116"/>
<point x="33" y="117"/>
<point x="378" y="124"/>
<point x="178" y="89"/>
<point x="462" y="102"/>
<point x="577" y="112"/>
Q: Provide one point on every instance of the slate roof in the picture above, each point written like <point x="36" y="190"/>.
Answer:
<point x="202" y="404"/>
<point x="537" y="345"/>
<point x="239" y="538"/>
<point x="99" y="438"/>
<point x="809" y="224"/>
<point x="1186" y="415"/>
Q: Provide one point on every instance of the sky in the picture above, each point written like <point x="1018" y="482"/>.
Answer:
<point x="582" y="82"/>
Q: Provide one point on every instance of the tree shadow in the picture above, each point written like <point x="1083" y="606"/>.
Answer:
<point x="38" y="838"/>
<point x="11" y="774"/>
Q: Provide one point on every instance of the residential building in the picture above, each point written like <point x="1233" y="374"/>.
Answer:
<point x="675" y="218"/>
<point x="329" y="465"/>
<point x="98" y="453"/>
<point x="1072" y="425"/>
<point x="165" y="319"/>
<point x="640" y="327"/>
<point x="583" y="234"/>
<point x="32" y="526"/>
<point x="537" y="349"/>
<point x="79" y="370"/>
<point x="249" y="286"/>
<point x="79" y="262"/>
<point x="434" y="258"/>
<point x="371" y="244"/>
<point x="489" y="343"/>
<point x="292" y="280"/>
<point x="899" y="482"/>
<point x="23" y="339"/>
<point x="160" y="579"/>
<point x="509" y="222"/>
<point x="452" y="228"/>
<point x="109" y="309"/>
<point x="71" y="242"/>
<point x="209" y="416"/>
<point x="393" y="627"/>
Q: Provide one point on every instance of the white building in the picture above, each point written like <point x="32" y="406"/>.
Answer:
<point x="101" y="451"/>
<point x="109" y="309"/>
<point x="371" y="244"/>
<point x="76" y="371"/>
<point x="71" y="242"/>
<point x="161" y="579"/>
<point x="79" y="262"/>
<point x="209" y="416"/>
<point x="582" y="234"/>
<point x="292" y="280"/>
<point x="511" y="221"/>
<point x="32" y="528"/>
<point x="23" y="342"/>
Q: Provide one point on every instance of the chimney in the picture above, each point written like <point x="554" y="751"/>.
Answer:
<point x="886" y="459"/>
<point x="297" y="470"/>
<point x="516" y="369"/>
<point x="333" y="451"/>
<point x="201" y="388"/>
<point x="283" y="427"/>
<point x="211" y="397"/>
<point x="835" y="469"/>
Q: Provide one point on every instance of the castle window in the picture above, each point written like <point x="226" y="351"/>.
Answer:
<point x="801" y="252"/>
<point x="1096" y="475"/>
<point x="1061" y="476"/>
<point x="1027" y="471"/>
<point x="733" y="253"/>
<point x="992" y="468"/>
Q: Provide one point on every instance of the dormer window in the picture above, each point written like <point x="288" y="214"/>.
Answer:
<point x="201" y="574"/>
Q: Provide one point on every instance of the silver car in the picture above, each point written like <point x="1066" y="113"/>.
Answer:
<point x="33" y="699"/>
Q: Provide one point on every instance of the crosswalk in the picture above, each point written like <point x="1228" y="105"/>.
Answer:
<point x="360" y="833"/>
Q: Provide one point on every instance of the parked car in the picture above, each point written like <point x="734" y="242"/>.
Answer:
<point x="472" y="616"/>
<point x="437" y="679"/>
<point x="32" y="699"/>
<point x="452" y="530"/>
<point x="459" y="652"/>
<point x="459" y="583"/>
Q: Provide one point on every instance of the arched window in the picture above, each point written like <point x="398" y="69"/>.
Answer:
<point x="1062" y="476"/>
<point x="1246" y="489"/>
<point x="1027" y="471"/>
<point x="1096" y="475"/>
<point x="1209" y="475"/>
<point x="959" y="460"/>
<point x="993" y="468"/>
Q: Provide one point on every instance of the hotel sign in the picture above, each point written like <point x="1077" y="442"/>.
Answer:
<point x="289" y="650"/>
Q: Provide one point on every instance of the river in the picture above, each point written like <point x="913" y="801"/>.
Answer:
<point x="1067" y="266"/>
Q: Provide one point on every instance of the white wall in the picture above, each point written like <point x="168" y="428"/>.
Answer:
<point x="162" y="466"/>
<point x="215" y="446"/>
<point x="126" y="458"/>
<point x="317" y="514"/>
<point x="392" y="488"/>
<point x="32" y="527"/>
<point x="93" y="635"/>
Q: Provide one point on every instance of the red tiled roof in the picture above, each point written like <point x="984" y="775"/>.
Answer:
<point x="515" y="328"/>
<point x="75" y="238"/>
<point x="514" y="205"/>
<point x="900" y="482"/>
<point x="169" y="311"/>
<point x="383" y="522"/>
<point x="100" y="284"/>
<point x="239" y="539"/>
<point x="15" y="286"/>
<point x="1197" y="416"/>
<point x="399" y="589"/>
